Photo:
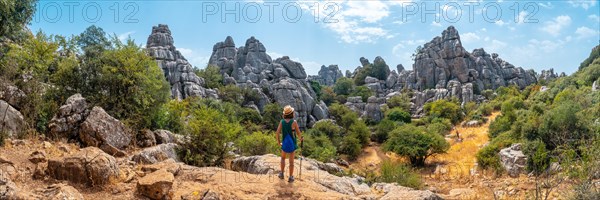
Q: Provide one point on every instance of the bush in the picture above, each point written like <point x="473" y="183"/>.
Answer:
<point x="488" y="158"/>
<point x="351" y="147"/>
<point x="360" y="131"/>
<point x="328" y="128"/>
<point x="272" y="116"/>
<point x="169" y="116"/>
<point x="444" y="109"/>
<point x="362" y="91"/>
<point x="336" y="111"/>
<point x="399" y="173"/>
<point x="257" y="143"/>
<point x="383" y="129"/>
<point x="212" y="76"/>
<point x="415" y="143"/>
<point x="400" y="101"/>
<point x="399" y="115"/>
<point x="561" y="126"/>
<point x="538" y="159"/>
<point x="348" y="119"/>
<point x="318" y="146"/>
<point x="328" y="96"/>
<point x="247" y="115"/>
<point x="439" y="128"/>
<point x="316" y="86"/>
<point x="231" y="93"/>
<point x="343" y="86"/>
<point x="501" y="124"/>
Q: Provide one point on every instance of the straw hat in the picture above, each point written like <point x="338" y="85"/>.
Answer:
<point x="288" y="110"/>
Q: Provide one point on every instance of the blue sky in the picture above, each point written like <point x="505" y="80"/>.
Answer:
<point x="536" y="35"/>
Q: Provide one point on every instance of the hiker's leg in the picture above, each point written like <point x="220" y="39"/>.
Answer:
<point x="282" y="164"/>
<point x="291" y="163"/>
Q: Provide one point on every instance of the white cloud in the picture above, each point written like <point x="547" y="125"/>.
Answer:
<point x="585" y="4"/>
<point x="434" y="23"/>
<point x="554" y="26"/>
<point x="546" y="5"/>
<point x="355" y="21"/>
<point x="521" y="17"/>
<point x="495" y="46"/>
<point x="195" y="58"/>
<point x="469" y="38"/>
<point x="500" y="23"/>
<point x="585" y="32"/>
<point x="594" y="17"/>
<point x="125" y="35"/>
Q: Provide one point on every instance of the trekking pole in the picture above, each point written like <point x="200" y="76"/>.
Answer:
<point x="301" y="158"/>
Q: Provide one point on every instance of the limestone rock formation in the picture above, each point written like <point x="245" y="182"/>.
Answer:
<point x="105" y="132"/>
<point x="513" y="160"/>
<point x="58" y="192"/>
<point x="90" y="166"/>
<point x="178" y="71"/>
<point x="164" y="137"/>
<point x="67" y="121"/>
<point x="393" y="191"/>
<point x="327" y="75"/>
<point x="370" y="111"/>
<point x="12" y="121"/>
<point x="282" y="81"/>
<point x="547" y="75"/>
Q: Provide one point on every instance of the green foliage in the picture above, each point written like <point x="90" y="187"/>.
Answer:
<point x="209" y="127"/>
<point x="359" y="77"/>
<point x="14" y="16"/>
<point x="415" y="143"/>
<point x="350" y="146"/>
<point x="444" y="109"/>
<point x="257" y="143"/>
<point x="488" y="158"/>
<point x="589" y="74"/>
<point x="383" y="129"/>
<point x="336" y="111"/>
<point x="561" y="126"/>
<point x="328" y="128"/>
<point x="247" y="115"/>
<point x="316" y="86"/>
<point x="441" y="128"/>
<point x="272" y="115"/>
<point x="328" y="96"/>
<point x="593" y="56"/>
<point x="93" y="42"/>
<point x="318" y="146"/>
<point x="392" y="172"/>
<point x="360" y="131"/>
<point x="343" y="86"/>
<point x="169" y="116"/>
<point x="538" y="156"/>
<point x="362" y="91"/>
<point x="400" y="101"/>
<point x="379" y="70"/>
<point x="231" y="93"/>
<point x="348" y="120"/>
<point x="398" y="115"/>
<point x="212" y="76"/>
<point x="501" y="124"/>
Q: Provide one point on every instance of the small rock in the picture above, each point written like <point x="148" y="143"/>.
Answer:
<point x="4" y="160"/>
<point x="18" y="142"/>
<point x="46" y="145"/>
<point x="59" y="192"/>
<point x="156" y="154"/>
<point x="170" y="165"/>
<point x="40" y="170"/>
<point x="156" y="185"/>
<point x="37" y="157"/>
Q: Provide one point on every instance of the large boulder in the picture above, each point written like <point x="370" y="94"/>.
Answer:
<point x="327" y="75"/>
<point x="253" y="164"/>
<point x="68" y="119"/>
<point x="294" y="68"/>
<point x="105" y="132"/>
<point x="394" y="191"/>
<point x="89" y="166"/>
<point x="373" y="110"/>
<point x="12" y="121"/>
<point x="11" y="94"/>
<point x="156" y="185"/>
<point x="58" y="192"/>
<point x="513" y="160"/>
<point x="294" y="93"/>
<point x="156" y="154"/>
<point x="164" y="137"/>
<point x="8" y="189"/>
<point x="145" y="138"/>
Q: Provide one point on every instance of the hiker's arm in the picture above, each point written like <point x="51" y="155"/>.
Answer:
<point x="298" y="133"/>
<point x="278" y="132"/>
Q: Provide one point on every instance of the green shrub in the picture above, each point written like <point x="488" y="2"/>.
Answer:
<point x="400" y="101"/>
<point x="415" y="143"/>
<point x="343" y="86"/>
<point x="399" y="173"/>
<point x="328" y="96"/>
<point x="336" y="111"/>
<point x="362" y="91"/>
<point x="257" y="143"/>
<point x="316" y="86"/>
<point x="444" y="109"/>
<point x="272" y="116"/>
<point x="399" y="115"/>
<point x="328" y="128"/>
<point x="501" y="124"/>
<point x="538" y="158"/>
<point x="248" y="115"/>
<point x="488" y="158"/>
<point x="360" y="131"/>
<point x="383" y="129"/>
<point x="211" y="75"/>
<point x="231" y="93"/>
<point x="351" y="147"/>
<point x="318" y="146"/>
<point x="348" y="119"/>
<point x="439" y="128"/>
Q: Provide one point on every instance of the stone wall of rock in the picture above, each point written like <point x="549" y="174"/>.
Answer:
<point x="327" y="75"/>
<point x="282" y="80"/>
<point x="178" y="71"/>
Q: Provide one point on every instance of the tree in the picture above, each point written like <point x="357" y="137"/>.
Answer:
<point x="360" y="131"/>
<point x="272" y="115"/>
<point x="362" y="91"/>
<point x="444" y="109"/>
<point x="93" y="41"/>
<point x="328" y="128"/>
<point x="14" y="16"/>
<point x="350" y="146"/>
<point x="212" y="76"/>
<point x="327" y="95"/>
<point x="400" y="101"/>
<point x="343" y="86"/>
<point x="359" y="77"/>
<point x="415" y="143"/>
<point x="398" y="115"/>
<point x="383" y="129"/>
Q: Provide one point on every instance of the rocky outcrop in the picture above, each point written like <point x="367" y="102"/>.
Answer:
<point x="90" y="166"/>
<point x="513" y="160"/>
<point x="547" y="75"/>
<point x="327" y="75"/>
<point x="58" y="192"/>
<point x="178" y="71"/>
<point x="67" y="121"/>
<point x="393" y="191"/>
<point x="11" y="94"/>
<point x="370" y="111"/>
<point x="8" y="189"/>
<point x="156" y="185"/>
<point x="282" y="81"/>
<point x="105" y="132"/>
<point x="145" y="138"/>
<point x="156" y="154"/>
<point x="164" y="137"/>
<point x="595" y="86"/>
<point x="12" y="121"/>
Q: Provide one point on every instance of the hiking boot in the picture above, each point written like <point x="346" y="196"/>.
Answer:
<point x="281" y="175"/>
<point x="291" y="179"/>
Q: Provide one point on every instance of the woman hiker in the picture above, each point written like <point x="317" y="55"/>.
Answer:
<point x="289" y="127"/>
